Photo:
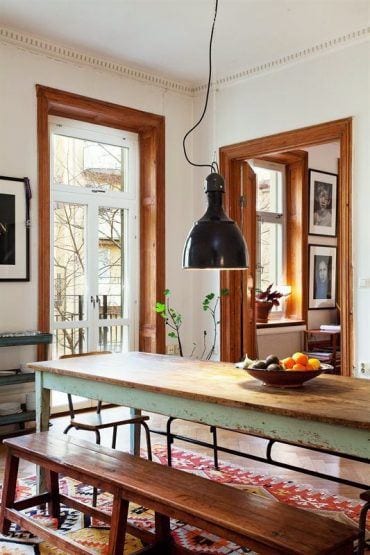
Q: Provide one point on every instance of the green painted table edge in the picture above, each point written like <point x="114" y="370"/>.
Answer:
<point x="334" y="437"/>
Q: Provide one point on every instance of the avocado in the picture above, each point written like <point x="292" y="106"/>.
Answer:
<point x="274" y="367"/>
<point x="260" y="365"/>
<point x="272" y="359"/>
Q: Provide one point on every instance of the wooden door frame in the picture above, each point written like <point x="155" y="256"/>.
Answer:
<point x="341" y="131"/>
<point x="151" y="130"/>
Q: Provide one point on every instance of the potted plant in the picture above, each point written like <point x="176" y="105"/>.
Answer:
<point x="265" y="300"/>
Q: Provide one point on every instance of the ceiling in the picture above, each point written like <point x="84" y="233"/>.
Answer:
<point x="170" y="37"/>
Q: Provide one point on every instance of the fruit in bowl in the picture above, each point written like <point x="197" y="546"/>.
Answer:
<point x="289" y="372"/>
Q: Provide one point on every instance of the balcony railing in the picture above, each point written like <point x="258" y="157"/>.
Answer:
<point x="74" y="340"/>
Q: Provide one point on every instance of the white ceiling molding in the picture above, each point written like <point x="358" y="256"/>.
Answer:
<point x="65" y="53"/>
<point x="41" y="46"/>
<point x="343" y="41"/>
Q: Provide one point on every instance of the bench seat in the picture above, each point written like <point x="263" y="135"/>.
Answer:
<point x="264" y="525"/>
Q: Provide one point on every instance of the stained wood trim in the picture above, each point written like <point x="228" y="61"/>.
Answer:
<point x="297" y="237"/>
<point x="151" y="129"/>
<point x="339" y="130"/>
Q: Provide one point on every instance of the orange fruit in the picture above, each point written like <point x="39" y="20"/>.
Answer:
<point x="315" y="363"/>
<point x="288" y="362"/>
<point x="309" y="366"/>
<point x="299" y="367"/>
<point x="300" y="358"/>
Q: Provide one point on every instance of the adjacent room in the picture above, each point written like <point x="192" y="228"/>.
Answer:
<point x="185" y="277"/>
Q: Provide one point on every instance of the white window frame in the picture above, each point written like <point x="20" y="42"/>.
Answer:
<point x="273" y="217"/>
<point x="127" y="200"/>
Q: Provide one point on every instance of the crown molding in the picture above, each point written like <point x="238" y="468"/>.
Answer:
<point x="48" y="48"/>
<point x="319" y="49"/>
<point x="39" y="45"/>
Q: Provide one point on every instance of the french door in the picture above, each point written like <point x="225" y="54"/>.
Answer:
<point x="94" y="230"/>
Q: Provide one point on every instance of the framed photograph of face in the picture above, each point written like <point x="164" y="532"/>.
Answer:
<point x="323" y="203"/>
<point x="15" y="194"/>
<point x="322" y="276"/>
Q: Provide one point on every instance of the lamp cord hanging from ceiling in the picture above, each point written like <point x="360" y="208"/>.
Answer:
<point x="213" y="165"/>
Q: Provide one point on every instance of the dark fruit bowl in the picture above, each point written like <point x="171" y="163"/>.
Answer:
<point x="286" y="378"/>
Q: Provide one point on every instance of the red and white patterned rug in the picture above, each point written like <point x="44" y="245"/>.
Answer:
<point x="94" y="534"/>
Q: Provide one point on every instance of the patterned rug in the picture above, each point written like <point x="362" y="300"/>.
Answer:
<point x="94" y="534"/>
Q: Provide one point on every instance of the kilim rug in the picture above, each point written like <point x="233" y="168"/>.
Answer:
<point x="94" y="535"/>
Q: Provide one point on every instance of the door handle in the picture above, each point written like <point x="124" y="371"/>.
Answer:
<point x="93" y="301"/>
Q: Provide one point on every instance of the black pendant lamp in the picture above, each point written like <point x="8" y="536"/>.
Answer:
<point x="215" y="241"/>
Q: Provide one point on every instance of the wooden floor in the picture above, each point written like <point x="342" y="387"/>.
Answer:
<point x="296" y="456"/>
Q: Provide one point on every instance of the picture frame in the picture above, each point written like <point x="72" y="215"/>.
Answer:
<point x="323" y="203"/>
<point x="15" y="195"/>
<point x="322" y="276"/>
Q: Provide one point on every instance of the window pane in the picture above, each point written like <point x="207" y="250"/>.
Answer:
<point x="69" y="342"/>
<point x="111" y="262"/>
<point x="113" y="338"/>
<point x="269" y="190"/>
<point x="89" y="164"/>
<point x="69" y="261"/>
<point x="270" y="255"/>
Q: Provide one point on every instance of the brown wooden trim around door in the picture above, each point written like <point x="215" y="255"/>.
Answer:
<point x="341" y="131"/>
<point x="151" y="129"/>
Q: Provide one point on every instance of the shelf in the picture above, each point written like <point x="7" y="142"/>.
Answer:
<point x="24" y="416"/>
<point x="13" y="341"/>
<point x="17" y="378"/>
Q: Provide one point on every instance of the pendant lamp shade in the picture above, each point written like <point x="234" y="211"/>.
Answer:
<point x="215" y="241"/>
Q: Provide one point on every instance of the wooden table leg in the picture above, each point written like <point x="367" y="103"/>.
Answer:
<point x="42" y="421"/>
<point x="135" y="432"/>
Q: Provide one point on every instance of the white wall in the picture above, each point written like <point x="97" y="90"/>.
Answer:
<point x="325" y="88"/>
<point x="333" y="86"/>
<point x="20" y="72"/>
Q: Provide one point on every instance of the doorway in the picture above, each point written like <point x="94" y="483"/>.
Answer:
<point x="238" y="330"/>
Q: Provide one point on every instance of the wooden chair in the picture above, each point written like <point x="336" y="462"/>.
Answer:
<point x="94" y="422"/>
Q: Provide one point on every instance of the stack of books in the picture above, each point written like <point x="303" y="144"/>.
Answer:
<point x="329" y="327"/>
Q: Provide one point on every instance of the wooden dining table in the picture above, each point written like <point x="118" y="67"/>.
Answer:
<point x="329" y="412"/>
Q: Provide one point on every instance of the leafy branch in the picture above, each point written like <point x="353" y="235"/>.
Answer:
<point x="172" y="318"/>
<point x="210" y="304"/>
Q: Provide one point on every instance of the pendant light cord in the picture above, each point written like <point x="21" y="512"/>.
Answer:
<point x="214" y="165"/>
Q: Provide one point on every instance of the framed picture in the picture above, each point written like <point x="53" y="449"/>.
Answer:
<point x="322" y="276"/>
<point x="323" y="203"/>
<point x="15" y="194"/>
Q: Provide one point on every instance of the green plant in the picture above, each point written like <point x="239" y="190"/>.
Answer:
<point x="172" y="318"/>
<point x="210" y="303"/>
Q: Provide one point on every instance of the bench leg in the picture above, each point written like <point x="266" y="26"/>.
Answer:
<point x="52" y="484"/>
<point x="9" y="489"/>
<point x="362" y="526"/>
<point x="118" y="525"/>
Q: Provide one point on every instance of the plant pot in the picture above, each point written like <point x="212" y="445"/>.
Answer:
<point x="262" y="311"/>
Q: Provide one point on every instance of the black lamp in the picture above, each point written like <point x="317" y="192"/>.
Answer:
<point x="215" y="241"/>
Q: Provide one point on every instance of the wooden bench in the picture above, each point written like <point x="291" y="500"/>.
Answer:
<point x="264" y="525"/>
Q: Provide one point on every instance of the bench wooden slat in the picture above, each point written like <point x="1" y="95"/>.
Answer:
<point x="221" y="509"/>
<point x="47" y="534"/>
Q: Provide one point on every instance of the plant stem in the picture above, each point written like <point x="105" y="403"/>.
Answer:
<point x="176" y="327"/>
<point x="213" y="312"/>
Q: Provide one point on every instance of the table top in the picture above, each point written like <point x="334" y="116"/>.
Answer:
<point x="327" y="398"/>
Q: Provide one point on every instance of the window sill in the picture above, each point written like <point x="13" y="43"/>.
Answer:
<point x="281" y="326"/>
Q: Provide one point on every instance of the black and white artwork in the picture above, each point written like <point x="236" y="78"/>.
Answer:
<point x="323" y="203"/>
<point x="322" y="277"/>
<point x="14" y="229"/>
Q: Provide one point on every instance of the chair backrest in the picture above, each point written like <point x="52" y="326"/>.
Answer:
<point x="70" y="402"/>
